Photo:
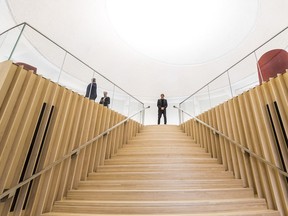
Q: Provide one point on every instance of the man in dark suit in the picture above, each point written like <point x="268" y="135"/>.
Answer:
<point x="105" y="100"/>
<point x="162" y="105"/>
<point x="91" y="90"/>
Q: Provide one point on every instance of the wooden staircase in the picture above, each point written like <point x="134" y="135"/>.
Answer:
<point x="161" y="172"/>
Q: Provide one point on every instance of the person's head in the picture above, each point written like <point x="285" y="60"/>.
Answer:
<point x="105" y="93"/>
<point x="162" y="96"/>
<point x="93" y="80"/>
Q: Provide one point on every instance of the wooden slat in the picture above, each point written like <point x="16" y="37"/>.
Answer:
<point x="25" y="135"/>
<point x="245" y="139"/>
<point x="262" y="182"/>
<point x="52" y="91"/>
<point x="7" y="72"/>
<point x="7" y="116"/>
<point x="66" y="173"/>
<point x="238" y="132"/>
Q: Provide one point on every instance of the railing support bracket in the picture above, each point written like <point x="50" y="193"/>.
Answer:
<point x="8" y="196"/>
<point x="74" y="155"/>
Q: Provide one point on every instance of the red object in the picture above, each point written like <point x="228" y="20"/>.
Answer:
<point x="272" y="63"/>
<point x="27" y="66"/>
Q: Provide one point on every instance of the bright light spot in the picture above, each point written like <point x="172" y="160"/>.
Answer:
<point x="183" y="31"/>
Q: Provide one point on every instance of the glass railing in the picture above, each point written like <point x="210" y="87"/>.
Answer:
<point x="25" y="44"/>
<point x="237" y="79"/>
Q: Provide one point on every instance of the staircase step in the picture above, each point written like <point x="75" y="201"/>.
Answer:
<point x="230" y="213"/>
<point x="156" y="167"/>
<point x="164" y="147"/>
<point x="138" y="149"/>
<point x="166" y="135"/>
<point x="166" y="128"/>
<point x="159" y="184"/>
<point x="167" y="141"/>
<point x="159" y="160"/>
<point x="168" y="207"/>
<point x="161" y="175"/>
<point x="153" y="155"/>
<point x="160" y="195"/>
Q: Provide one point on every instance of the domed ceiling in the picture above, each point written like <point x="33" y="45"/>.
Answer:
<point x="183" y="32"/>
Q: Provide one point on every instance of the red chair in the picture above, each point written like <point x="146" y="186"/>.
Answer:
<point x="27" y="66"/>
<point x="272" y="63"/>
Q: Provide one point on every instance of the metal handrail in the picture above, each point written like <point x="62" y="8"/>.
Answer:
<point x="10" y="29"/>
<point x="244" y="149"/>
<point x="234" y="64"/>
<point x="24" y="23"/>
<point x="9" y="193"/>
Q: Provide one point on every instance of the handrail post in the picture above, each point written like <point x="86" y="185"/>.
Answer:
<point x="61" y="69"/>
<point x="113" y="97"/>
<point x="209" y="96"/>
<point x="143" y="117"/>
<point x="16" y="43"/>
<point x="258" y="67"/>
<point x="230" y="84"/>
<point x="144" y="111"/>
<point x="180" y="115"/>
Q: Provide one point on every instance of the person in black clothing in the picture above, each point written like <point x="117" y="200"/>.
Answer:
<point x="162" y="105"/>
<point x="91" y="90"/>
<point x="105" y="100"/>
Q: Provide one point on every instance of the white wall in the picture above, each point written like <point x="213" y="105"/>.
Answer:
<point x="5" y="17"/>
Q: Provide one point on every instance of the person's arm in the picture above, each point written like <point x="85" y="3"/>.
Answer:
<point x="87" y="91"/>
<point x="158" y="104"/>
<point x="95" y="90"/>
<point x="108" y="100"/>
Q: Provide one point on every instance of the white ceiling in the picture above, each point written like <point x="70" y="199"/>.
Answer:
<point x="210" y="37"/>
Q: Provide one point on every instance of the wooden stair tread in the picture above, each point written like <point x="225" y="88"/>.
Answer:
<point x="157" y="155"/>
<point x="156" y="184"/>
<point x="161" y="141"/>
<point x="128" y="207"/>
<point x="231" y="213"/>
<point x="142" y="168"/>
<point x="161" y="175"/>
<point x="155" y="203"/>
<point x="187" y="165"/>
<point x="166" y="191"/>
<point x="160" y="195"/>
<point x="160" y="160"/>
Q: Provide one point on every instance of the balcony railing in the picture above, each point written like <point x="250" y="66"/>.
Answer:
<point x="240" y="77"/>
<point x="23" y="43"/>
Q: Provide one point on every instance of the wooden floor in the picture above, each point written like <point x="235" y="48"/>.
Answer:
<point x="161" y="172"/>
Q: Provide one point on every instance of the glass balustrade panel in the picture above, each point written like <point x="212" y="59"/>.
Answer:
<point x="219" y="90"/>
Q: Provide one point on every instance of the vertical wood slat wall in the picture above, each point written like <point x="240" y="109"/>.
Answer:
<point x="258" y="120"/>
<point x="67" y="120"/>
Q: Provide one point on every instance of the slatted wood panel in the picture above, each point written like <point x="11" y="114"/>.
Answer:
<point x="161" y="172"/>
<point x="258" y="119"/>
<point x="40" y="122"/>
